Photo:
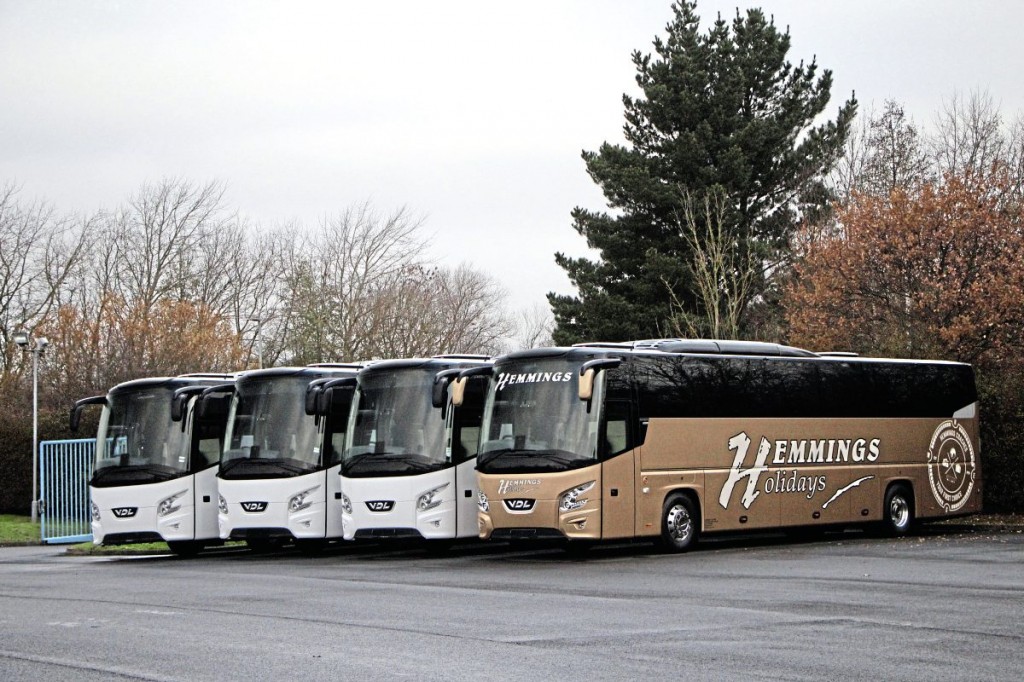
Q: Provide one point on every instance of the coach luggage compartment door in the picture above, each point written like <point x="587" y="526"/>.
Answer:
<point x="618" y="487"/>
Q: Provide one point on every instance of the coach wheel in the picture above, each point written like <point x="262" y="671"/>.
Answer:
<point x="185" y="548"/>
<point x="898" y="510"/>
<point x="679" y="524"/>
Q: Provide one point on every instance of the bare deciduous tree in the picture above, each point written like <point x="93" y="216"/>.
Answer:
<point x="165" y="260"/>
<point x="846" y="175"/>
<point x="333" y="277"/>
<point x="173" y="281"/>
<point x="531" y="328"/>
<point x="39" y="251"/>
<point x="157" y="233"/>
<point x="896" y="155"/>
<point x="471" y="303"/>
<point x="362" y="288"/>
<point x="725" y="269"/>
<point x="968" y="133"/>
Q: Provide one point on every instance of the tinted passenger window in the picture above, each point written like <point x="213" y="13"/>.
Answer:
<point x="466" y="429"/>
<point x="616" y="428"/>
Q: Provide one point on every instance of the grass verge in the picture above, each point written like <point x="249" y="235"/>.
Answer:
<point x="119" y="550"/>
<point x="18" y="530"/>
<point x="87" y="548"/>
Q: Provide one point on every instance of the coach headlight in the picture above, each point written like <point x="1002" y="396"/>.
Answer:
<point x="430" y="499"/>
<point x="346" y="504"/>
<point x="301" y="501"/>
<point x="95" y="511"/>
<point x="482" y="503"/>
<point x="222" y="505"/>
<point x="570" y="500"/>
<point x="169" y="505"/>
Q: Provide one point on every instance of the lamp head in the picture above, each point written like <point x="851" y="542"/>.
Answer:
<point x="21" y="338"/>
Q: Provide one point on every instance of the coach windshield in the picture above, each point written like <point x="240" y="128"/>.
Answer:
<point x="534" y="420"/>
<point x="269" y="434"/>
<point x="394" y="430"/>
<point x="138" y="442"/>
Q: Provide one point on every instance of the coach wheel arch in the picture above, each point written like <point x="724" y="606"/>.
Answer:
<point x="680" y="521"/>
<point x="898" y="508"/>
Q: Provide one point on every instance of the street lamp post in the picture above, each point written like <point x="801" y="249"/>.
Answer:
<point x="256" y="339"/>
<point x="36" y="349"/>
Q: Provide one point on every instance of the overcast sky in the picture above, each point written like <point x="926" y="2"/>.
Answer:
<point x="472" y="114"/>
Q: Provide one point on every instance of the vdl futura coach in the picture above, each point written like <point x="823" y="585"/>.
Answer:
<point x="156" y="462"/>
<point x="274" y="477"/>
<point x="671" y="438"/>
<point x="407" y="470"/>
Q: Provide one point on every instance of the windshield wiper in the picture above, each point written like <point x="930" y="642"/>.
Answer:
<point x="136" y="473"/>
<point x="231" y="464"/>
<point x="384" y="462"/>
<point x="556" y="460"/>
<point x="286" y="466"/>
<point x="485" y="457"/>
<point x="554" y="456"/>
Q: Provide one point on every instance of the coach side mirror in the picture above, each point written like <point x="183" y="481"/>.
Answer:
<point x="589" y="370"/>
<point x="76" y="411"/>
<point x="586" y="387"/>
<point x="439" y="390"/>
<point x="214" y="408"/>
<point x="458" y="391"/>
<point x="459" y="385"/>
<point x="178" y="407"/>
<point x="313" y="391"/>
<point x="211" y="406"/>
<point x="335" y="397"/>
<point x="179" y="401"/>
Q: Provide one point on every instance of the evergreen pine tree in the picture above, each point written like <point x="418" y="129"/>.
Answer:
<point x="720" y="111"/>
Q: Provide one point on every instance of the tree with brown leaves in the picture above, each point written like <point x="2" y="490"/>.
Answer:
<point x="933" y="272"/>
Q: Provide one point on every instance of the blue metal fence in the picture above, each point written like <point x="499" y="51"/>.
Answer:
<point x="65" y="467"/>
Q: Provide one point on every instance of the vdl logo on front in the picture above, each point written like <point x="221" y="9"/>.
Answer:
<point x="254" y="507"/>
<point x="519" y="505"/>
<point x="380" y="505"/>
<point x="124" y="512"/>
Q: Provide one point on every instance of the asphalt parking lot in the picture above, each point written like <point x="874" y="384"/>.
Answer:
<point x="946" y="604"/>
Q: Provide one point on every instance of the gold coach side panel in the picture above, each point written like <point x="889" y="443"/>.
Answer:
<point x="756" y="473"/>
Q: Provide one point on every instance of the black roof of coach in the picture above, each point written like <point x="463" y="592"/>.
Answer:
<point x="707" y="347"/>
<point x="436" y="363"/>
<point x="577" y="352"/>
<point x="171" y="383"/>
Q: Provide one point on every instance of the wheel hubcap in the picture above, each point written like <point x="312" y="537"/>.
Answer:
<point x="899" y="511"/>
<point x="679" y="524"/>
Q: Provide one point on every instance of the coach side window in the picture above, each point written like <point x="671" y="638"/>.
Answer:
<point x="616" y="427"/>
<point x="467" y="418"/>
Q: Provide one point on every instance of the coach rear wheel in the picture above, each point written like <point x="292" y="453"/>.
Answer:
<point x="898" y="510"/>
<point x="679" y="524"/>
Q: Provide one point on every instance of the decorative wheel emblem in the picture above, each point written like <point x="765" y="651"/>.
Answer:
<point x="951" y="465"/>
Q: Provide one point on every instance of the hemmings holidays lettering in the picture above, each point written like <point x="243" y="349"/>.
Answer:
<point x="506" y="379"/>
<point x="825" y="451"/>
<point x="786" y="451"/>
